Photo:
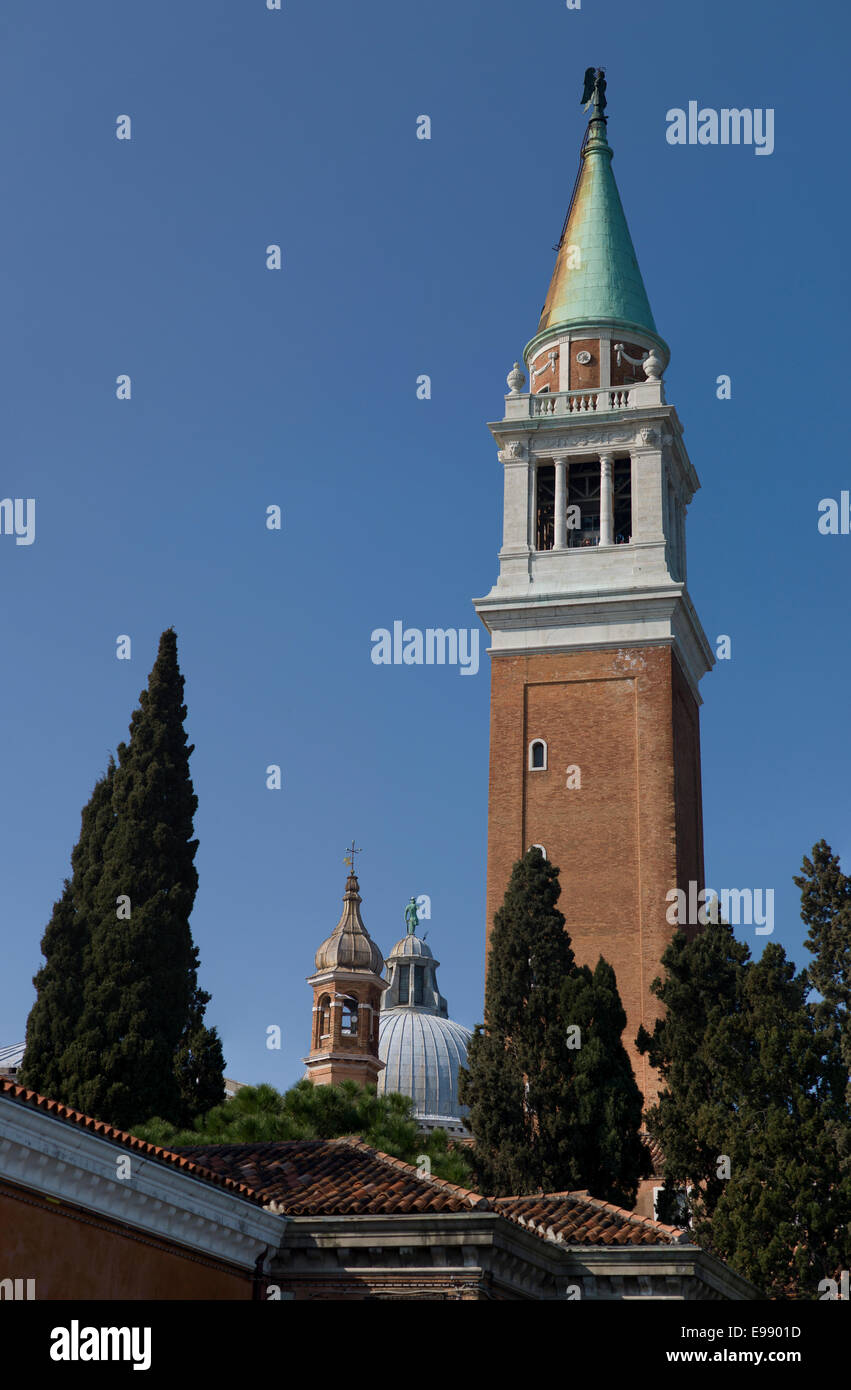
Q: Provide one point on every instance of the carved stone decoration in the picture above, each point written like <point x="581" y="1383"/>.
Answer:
<point x="583" y="358"/>
<point x="512" y="449"/>
<point x="545" y="444"/>
<point x="646" y="436"/>
<point x="516" y="379"/>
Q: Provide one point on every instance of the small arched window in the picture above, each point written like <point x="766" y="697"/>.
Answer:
<point x="349" y="1026"/>
<point x="537" y="755"/>
<point x="325" y="1016"/>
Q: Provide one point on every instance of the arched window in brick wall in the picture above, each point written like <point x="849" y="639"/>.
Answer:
<point x="537" y="755"/>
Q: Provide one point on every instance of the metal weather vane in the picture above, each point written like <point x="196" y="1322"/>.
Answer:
<point x="350" y="856"/>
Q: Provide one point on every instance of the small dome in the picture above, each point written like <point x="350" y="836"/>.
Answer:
<point x="422" y="1053"/>
<point x="350" y="946"/>
<point x="410" y="946"/>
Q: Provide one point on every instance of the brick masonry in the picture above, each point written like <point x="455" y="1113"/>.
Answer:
<point x="633" y="829"/>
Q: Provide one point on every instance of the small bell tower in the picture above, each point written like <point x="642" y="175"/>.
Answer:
<point x="347" y="990"/>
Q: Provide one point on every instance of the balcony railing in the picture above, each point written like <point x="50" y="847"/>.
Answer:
<point x="578" y="402"/>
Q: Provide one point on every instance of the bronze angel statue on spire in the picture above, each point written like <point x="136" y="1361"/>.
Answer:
<point x="594" y="89"/>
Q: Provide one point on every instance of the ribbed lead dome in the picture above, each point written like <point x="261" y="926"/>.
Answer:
<point x="422" y="1053"/>
<point x="410" y="946"/>
<point x="350" y="945"/>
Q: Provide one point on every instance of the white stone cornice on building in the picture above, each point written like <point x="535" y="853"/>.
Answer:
<point x="329" y="1054"/>
<point x="349" y="977"/>
<point x="540" y="623"/>
<point x="526" y="1261"/>
<point x="61" y="1160"/>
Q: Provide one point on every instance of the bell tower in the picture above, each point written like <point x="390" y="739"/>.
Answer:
<point x="347" y="990"/>
<point x="596" y="649"/>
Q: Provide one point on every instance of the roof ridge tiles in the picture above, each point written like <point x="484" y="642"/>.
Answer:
<point x="648" y="1221"/>
<point x="464" y="1194"/>
<point x="22" y="1095"/>
<point x="517" y="1208"/>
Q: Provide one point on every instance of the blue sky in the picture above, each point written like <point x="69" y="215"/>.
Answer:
<point x="298" y="388"/>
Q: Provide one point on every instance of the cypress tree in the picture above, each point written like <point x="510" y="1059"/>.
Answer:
<point x="199" y="1062"/>
<point x="49" y="1061"/>
<point x="781" y="1219"/>
<point x="141" y="1029"/>
<point x="698" y="1048"/>
<point x="745" y="1117"/>
<point x="607" y="1139"/>
<point x="534" y="1118"/>
<point x="59" y="987"/>
<point x="826" y="912"/>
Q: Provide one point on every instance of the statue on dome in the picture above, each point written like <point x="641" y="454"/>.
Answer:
<point x="412" y="921"/>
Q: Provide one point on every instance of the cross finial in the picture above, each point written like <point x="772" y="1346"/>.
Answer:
<point x="350" y="856"/>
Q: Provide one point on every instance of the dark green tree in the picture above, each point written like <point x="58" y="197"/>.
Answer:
<point x="698" y="1048"/>
<point x="199" y="1061"/>
<point x="612" y="1157"/>
<point x="141" y="1040"/>
<point x="744" y="1117"/>
<point x="782" y="1217"/>
<point x="528" y="1084"/>
<point x="49" y="1064"/>
<point x="826" y="912"/>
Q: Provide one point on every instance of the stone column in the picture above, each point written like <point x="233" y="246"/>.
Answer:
<point x="532" y="522"/>
<point x="606" y="500"/>
<point x="560" y="527"/>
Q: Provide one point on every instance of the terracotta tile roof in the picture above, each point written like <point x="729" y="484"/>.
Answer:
<point x="345" y="1177"/>
<point x="334" y="1177"/>
<point x="576" y="1218"/>
<point x="20" y="1094"/>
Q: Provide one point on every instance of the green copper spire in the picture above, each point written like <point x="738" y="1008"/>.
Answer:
<point x="596" y="278"/>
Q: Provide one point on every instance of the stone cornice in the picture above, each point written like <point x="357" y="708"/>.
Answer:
<point x="329" y="1055"/>
<point x="577" y="432"/>
<point x="454" y="1244"/>
<point x="351" y="977"/>
<point x="663" y="1261"/>
<point x="613" y="329"/>
<point x="533" y="624"/>
<point x="46" y="1155"/>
